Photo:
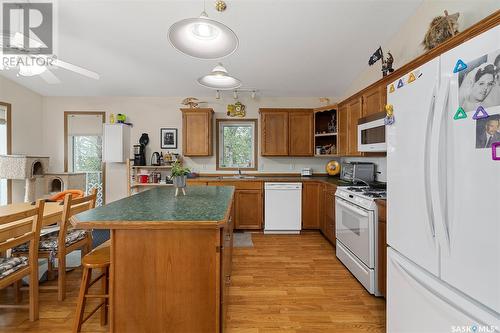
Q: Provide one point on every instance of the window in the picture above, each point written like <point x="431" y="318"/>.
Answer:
<point x="87" y="157"/>
<point x="236" y="144"/>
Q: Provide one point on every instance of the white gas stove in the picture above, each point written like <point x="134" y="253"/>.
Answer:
<point x="363" y="196"/>
<point x="356" y="215"/>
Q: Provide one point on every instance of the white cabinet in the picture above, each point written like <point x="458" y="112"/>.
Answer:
<point x="116" y="145"/>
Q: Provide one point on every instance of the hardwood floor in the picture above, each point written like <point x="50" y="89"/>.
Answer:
<point x="285" y="283"/>
<point x="293" y="284"/>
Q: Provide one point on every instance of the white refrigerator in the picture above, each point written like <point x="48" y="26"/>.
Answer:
<point x="443" y="194"/>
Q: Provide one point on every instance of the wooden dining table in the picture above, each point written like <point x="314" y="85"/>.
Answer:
<point x="52" y="213"/>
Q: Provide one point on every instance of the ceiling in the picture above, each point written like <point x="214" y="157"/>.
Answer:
<point x="287" y="47"/>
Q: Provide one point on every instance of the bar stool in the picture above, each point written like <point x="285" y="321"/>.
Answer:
<point x="99" y="258"/>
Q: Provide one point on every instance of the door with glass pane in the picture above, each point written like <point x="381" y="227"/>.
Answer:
<point x="84" y="148"/>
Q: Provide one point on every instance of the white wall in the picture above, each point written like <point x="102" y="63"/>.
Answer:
<point x="149" y="114"/>
<point x="406" y="45"/>
<point x="26" y="125"/>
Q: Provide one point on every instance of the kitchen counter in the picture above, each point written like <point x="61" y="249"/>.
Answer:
<point x="334" y="180"/>
<point x="203" y="205"/>
<point x="170" y="258"/>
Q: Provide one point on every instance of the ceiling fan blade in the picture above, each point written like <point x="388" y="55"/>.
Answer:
<point x="49" y="77"/>
<point x="76" y="69"/>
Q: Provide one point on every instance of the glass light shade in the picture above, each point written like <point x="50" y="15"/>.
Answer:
<point x="219" y="79"/>
<point x="203" y="38"/>
<point x="31" y="70"/>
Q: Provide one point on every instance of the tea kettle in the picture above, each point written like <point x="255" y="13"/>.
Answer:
<point x="155" y="158"/>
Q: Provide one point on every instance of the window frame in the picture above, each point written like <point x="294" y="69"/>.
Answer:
<point x="220" y="122"/>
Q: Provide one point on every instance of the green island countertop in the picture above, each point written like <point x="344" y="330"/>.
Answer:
<point x="159" y="207"/>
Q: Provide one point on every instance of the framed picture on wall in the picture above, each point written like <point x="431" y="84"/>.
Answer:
<point x="168" y="138"/>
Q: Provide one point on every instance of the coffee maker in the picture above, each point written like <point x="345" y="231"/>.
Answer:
<point x="140" y="150"/>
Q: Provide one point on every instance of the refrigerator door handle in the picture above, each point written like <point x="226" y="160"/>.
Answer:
<point x="436" y="186"/>
<point x="428" y="137"/>
<point x="420" y="277"/>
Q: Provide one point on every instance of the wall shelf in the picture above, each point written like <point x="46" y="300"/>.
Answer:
<point x="325" y="131"/>
<point x="325" y="134"/>
<point x="151" y="167"/>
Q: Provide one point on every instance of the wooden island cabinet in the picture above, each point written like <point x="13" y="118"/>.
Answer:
<point x="170" y="259"/>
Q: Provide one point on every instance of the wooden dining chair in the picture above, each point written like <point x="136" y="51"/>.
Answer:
<point x="72" y="239"/>
<point x="15" y="229"/>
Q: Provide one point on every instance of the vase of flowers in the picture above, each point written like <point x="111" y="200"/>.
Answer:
<point x="179" y="176"/>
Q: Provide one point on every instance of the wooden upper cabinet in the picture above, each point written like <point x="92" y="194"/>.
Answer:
<point x="274" y="132"/>
<point x="301" y="133"/>
<point x="312" y="196"/>
<point x="355" y="111"/>
<point x="197" y="137"/>
<point x="374" y="100"/>
<point x="342" y="130"/>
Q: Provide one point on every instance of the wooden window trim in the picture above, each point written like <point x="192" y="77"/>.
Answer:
<point x="91" y="113"/>
<point x="256" y="143"/>
<point x="9" y="145"/>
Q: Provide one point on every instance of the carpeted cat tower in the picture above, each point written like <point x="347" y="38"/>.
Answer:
<point x="24" y="167"/>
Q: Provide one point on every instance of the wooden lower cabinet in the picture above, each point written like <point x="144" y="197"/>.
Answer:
<point x="382" y="247"/>
<point x="248" y="209"/>
<point x="248" y="203"/>
<point x="312" y="200"/>
<point x="329" y="213"/>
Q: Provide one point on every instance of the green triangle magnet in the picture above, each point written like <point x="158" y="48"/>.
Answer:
<point x="460" y="66"/>
<point x="480" y="113"/>
<point x="400" y="83"/>
<point x="460" y="114"/>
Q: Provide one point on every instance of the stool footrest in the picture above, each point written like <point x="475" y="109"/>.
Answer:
<point x="93" y="311"/>
<point x="96" y="296"/>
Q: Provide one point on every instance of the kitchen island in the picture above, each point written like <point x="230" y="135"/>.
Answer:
<point x="170" y="258"/>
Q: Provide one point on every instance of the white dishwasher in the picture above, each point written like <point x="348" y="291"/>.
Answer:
<point x="283" y="208"/>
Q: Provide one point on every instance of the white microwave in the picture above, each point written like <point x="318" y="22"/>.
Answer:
<point x="371" y="133"/>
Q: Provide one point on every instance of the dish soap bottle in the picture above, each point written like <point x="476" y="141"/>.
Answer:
<point x="112" y="118"/>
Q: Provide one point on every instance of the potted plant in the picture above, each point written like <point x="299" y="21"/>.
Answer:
<point x="179" y="175"/>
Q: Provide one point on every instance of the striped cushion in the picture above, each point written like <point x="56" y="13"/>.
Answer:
<point x="12" y="264"/>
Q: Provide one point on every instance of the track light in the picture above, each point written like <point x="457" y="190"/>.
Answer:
<point x="235" y="94"/>
<point x="253" y="94"/>
<point x="217" y="94"/>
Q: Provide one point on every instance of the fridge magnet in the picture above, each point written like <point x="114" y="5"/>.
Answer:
<point x="487" y="131"/>
<point x="400" y="83"/>
<point x="411" y="78"/>
<point x="459" y="66"/>
<point x="480" y="113"/>
<point x="478" y="83"/>
<point x="391" y="88"/>
<point x="460" y="114"/>
<point x="495" y="148"/>
<point x="389" y="111"/>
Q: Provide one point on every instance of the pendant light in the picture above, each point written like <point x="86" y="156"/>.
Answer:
<point x="219" y="79"/>
<point x="203" y="37"/>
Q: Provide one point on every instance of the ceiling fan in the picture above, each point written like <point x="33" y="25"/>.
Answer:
<point x="31" y="64"/>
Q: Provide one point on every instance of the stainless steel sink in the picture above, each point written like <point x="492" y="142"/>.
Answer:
<point x="237" y="177"/>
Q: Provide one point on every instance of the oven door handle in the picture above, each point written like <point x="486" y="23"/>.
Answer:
<point x="351" y="208"/>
